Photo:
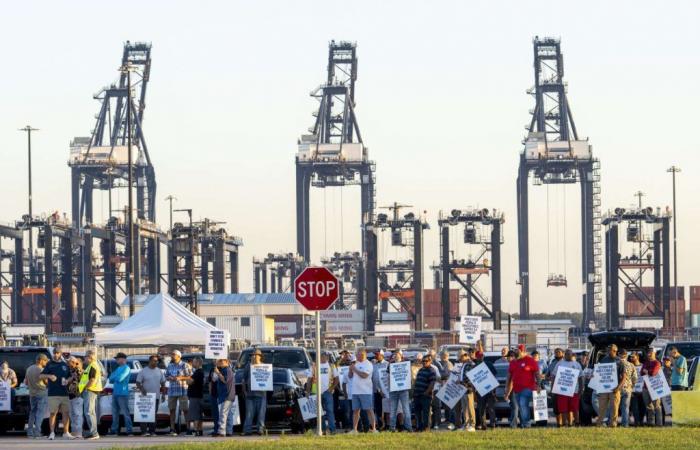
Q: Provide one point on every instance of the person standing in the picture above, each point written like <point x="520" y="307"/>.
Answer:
<point x="423" y="394"/>
<point x="637" y="406"/>
<point x="550" y="373"/>
<point x="345" y="391"/>
<point x="381" y="395"/>
<point x="195" y="394"/>
<point x="568" y="407"/>
<point x="150" y="380"/>
<point x="627" y="388"/>
<point x="58" y="373"/>
<point x="609" y="402"/>
<point x="120" y="395"/>
<point x="255" y="401"/>
<point x="399" y="398"/>
<point x="178" y="373"/>
<point x="522" y="379"/>
<point x="90" y="386"/>
<point x="679" y="374"/>
<point x="360" y="375"/>
<point x="486" y="405"/>
<point x="76" y="400"/>
<point x="444" y="367"/>
<point x="38" y="399"/>
<point x="651" y="367"/>
<point x="514" y="410"/>
<point x="468" y="418"/>
<point x="224" y="378"/>
<point x="329" y="380"/>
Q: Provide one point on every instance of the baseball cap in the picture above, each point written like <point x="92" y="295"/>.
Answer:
<point x="176" y="352"/>
<point x="521" y="347"/>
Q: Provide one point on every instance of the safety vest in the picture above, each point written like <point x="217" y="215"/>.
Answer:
<point x="85" y="378"/>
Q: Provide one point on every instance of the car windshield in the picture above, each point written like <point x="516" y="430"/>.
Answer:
<point x="20" y="360"/>
<point x="688" y="349"/>
<point x="287" y="358"/>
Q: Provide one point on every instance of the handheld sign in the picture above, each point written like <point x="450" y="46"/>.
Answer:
<point x="261" y="377"/>
<point x="384" y="380"/>
<point x="539" y="405"/>
<point x="566" y="381"/>
<point x="469" y="329"/>
<point x="400" y="376"/>
<point x="606" y="374"/>
<point x="451" y="393"/>
<point x="307" y="405"/>
<point x="217" y="345"/>
<point x="145" y="408"/>
<point x="639" y="385"/>
<point x="657" y="386"/>
<point x="5" y="396"/>
<point x="236" y="411"/>
<point x="482" y="379"/>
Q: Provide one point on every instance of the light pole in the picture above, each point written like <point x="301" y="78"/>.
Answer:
<point x="673" y="170"/>
<point x="28" y="129"/>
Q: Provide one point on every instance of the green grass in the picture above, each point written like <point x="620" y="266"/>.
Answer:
<point x="564" y="439"/>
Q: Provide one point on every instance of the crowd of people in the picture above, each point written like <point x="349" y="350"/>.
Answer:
<point x="354" y="391"/>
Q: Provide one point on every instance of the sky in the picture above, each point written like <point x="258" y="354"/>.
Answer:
<point x="441" y="105"/>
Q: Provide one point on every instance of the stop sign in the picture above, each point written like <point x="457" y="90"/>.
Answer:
<point x="316" y="288"/>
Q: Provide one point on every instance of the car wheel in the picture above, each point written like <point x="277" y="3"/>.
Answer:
<point x="45" y="427"/>
<point x="103" y="428"/>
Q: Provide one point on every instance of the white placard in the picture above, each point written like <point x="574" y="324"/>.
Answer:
<point x="145" y="408"/>
<point x="5" y="396"/>
<point x="236" y="411"/>
<point x="307" y="405"/>
<point x="343" y="374"/>
<point x="539" y="405"/>
<point x="639" y="385"/>
<point x="261" y="377"/>
<point x="566" y="381"/>
<point x="605" y="376"/>
<point x="451" y="393"/>
<point x="668" y="405"/>
<point x="657" y="386"/>
<point x="469" y="329"/>
<point x="400" y="376"/>
<point x="384" y="380"/>
<point x="217" y="345"/>
<point x="482" y="379"/>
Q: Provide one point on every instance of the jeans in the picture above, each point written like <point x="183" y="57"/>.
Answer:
<point x="225" y="409"/>
<point x="120" y="406"/>
<point x="76" y="416"/>
<point x="150" y="427"/>
<point x="329" y="409"/>
<point x="396" y="398"/>
<point x="346" y="407"/>
<point x="638" y="408"/>
<point x="89" y="400"/>
<point x="436" y="412"/>
<point x="37" y="411"/>
<point x="255" y="407"/>
<point x="653" y="409"/>
<point x="625" y="400"/>
<point x="514" y="412"/>
<point x="487" y="404"/>
<point x="523" y="398"/>
<point x="421" y="405"/>
<point x="215" y="413"/>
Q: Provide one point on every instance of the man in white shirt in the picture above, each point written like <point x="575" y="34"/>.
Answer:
<point x="329" y="380"/>
<point x="380" y="380"/>
<point x="360" y="376"/>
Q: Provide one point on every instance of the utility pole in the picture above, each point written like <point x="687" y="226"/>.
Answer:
<point x="673" y="170"/>
<point x="170" y="199"/>
<point x="130" y="276"/>
<point x="28" y="129"/>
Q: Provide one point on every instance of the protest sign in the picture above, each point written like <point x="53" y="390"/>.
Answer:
<point x="307" y="405"/>
<point x="605" y="375"/>
<point x="400" y="376"/>
<point x="657" y="386"/>
<point x="145" y="408"/>
<point x="236" y="411"/>
<point x="639" y="385"/>
<point x="668" y="405"/>
<point x="482" y="379"/>
<point x="261" y="377"/>
<point x="384" y="380"/>
<point x="469" y="329"/>
<point x="5" y="396"/>
<point x="217" y="345"/>
<point x="539" y="405"/>
<point x="451" y="393"/>
<point x="566" y="381"/>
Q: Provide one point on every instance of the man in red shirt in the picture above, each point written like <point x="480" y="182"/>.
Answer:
<point x="523" y="374"/>
<point x="652" y="367"/>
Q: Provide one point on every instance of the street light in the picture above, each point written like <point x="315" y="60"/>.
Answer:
<point x="673" y="170"/>
<point x="28" y="129"/>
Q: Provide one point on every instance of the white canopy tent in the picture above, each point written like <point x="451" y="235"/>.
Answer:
<point x="161" y="321"/>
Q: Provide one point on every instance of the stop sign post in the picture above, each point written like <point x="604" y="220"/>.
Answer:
<point x="316" y="288"/>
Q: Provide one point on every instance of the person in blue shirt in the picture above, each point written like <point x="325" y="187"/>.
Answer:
<point x="120" y="395"/>
<point x="679" y="372"/>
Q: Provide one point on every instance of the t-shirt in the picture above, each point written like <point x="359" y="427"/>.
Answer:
<point x="327" y="373"/>
<point x="196" y="388"/>
<point x="150" y="379"/>
<point x="678" y="378"/>
<point x="61" y="370"/>
<point x="37" y="388"/>
<point x="362" y="386"/>
<point x="9" y="377"/>
<point x="522" y="373"/>
<point x="651" y="368"/>
<point x="424" y="377"/>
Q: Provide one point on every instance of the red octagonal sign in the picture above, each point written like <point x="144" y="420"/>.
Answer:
<point x="316" y="288"/>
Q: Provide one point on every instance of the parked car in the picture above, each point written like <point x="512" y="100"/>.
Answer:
<point x="163" y="361"/>
<point x="689" y="349"/>
<point x="410" y="353"/>
<point x="502" y="406"/>
<point x="110" y="364"/>
<point x="294" y="358"/>
<point x="19" y="358"/>
<point x="636" y="341"/>
<point x="453" y="350"/>
<point x="283" y="411"/>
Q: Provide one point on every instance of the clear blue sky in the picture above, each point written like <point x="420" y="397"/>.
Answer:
<point x="440" y="99"/>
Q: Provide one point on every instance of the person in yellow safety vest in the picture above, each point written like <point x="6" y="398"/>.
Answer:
<point x="90" y="385"/>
